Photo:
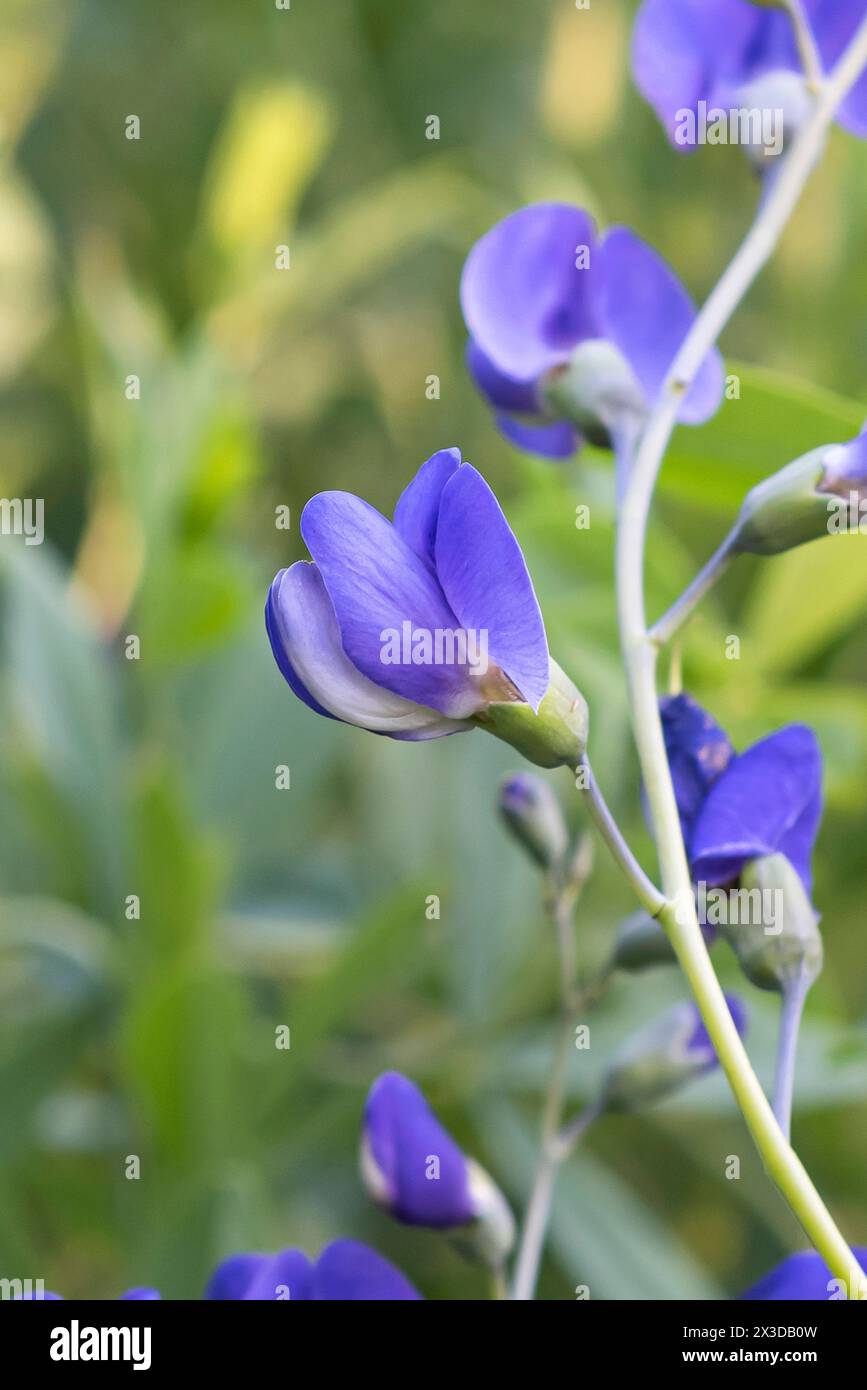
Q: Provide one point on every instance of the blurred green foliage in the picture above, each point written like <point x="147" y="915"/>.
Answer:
<point x="156" y="777"/>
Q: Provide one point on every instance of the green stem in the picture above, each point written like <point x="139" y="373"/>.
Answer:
<point x="681" y="611"/>
<point x="808" y="49"/>
<point x="648" y="894"/>
<point x="640" y="655"/>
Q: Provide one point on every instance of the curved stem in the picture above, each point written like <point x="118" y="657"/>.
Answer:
<point x="808" y="49"/>
<point x="648" y="894"/>
<point x="640" y="654"/>
<point x="791" y="1008"/>
<point x="681" y="611"/>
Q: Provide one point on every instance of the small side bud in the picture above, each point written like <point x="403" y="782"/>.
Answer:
<point x="532" y="812"/>
<point x="661" y="1057"/>
<point x="795" y="505"/>
<point x="786" y="943"/>
<point x="556" y="736"/>
<point x="640" y="942"/>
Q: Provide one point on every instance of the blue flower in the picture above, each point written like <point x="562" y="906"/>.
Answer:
<point x="739" y="807"/>
<point x="768" y="801"/>
<point x="345" y="1271"/>
<point x="802" y="1278"/>
<point x="731" y="54"/>
<point x="421" y="626"/>
<point x="413" y="1168"/>
<point x="573" y="335"/>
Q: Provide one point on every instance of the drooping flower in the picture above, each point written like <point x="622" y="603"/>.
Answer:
<point x="425" y="625"/>
<point x="345" y="1271"/>
<point x="822" y="493"/>
<point x="572" y="335"/>
<point x="803" y="1278"/>
<point x="732" y="56"/>
<point x="412" y="1166"/>
<point x="768" y="801"/>
<point x="662" y="1056"/>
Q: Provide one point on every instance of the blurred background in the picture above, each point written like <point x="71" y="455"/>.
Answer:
<point x="155" y="777"/>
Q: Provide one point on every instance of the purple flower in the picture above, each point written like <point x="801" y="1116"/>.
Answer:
<point x="532" y="812"/>
<point x="410" y="627"/>
<point x="662" y="1056"/>
<point x="142" y="1294"/>
<point x="345" y="1271"/>
<point x="730" y="54"/>
<point x="573" y="335"/>
<point x="768" y="801"/>
<point x="699" y="751"/>
<point x="421" y="626"/>
<point x="802" y="1278"/>
<point x="413" y="1167"/>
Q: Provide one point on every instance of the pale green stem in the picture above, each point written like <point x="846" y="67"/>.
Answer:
<point x="794" y="996"/>
<point x="648" y="894"/>
<point x="640" y="653"/>
<point x="561" y="904"/>
<point x="681" y="611"/>
<point x="808" y="49"/>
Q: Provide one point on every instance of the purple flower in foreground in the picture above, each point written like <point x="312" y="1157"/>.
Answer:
<point x="345" y="1271"/>
<point x="731" y="54"/>
<point x="138" y="1295"/>
<point x="411" y="1166"/>
<point x="803" y="1278"/>
<point x="417" y="626"/>
<point x="572" y="335"/>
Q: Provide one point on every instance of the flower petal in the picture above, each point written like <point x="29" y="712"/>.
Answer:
<point x="486" y="581"/>
<point x="376" y="584"/>
<point x="349" y="1271"/>
<point x="525" y="301"/>
<point x="768" y="800"/>
<point x="140" y="1295"/>
<point x="417" y="510"/>
<point x="306" y="633"/>
<point x="232" y="1278"/>
<point x="558" y="441"/>
<point x="801" y="1278"/>
<point x="405" y="1143"/>
<point x="699" y="751"/>
<point x="645" y="311"/>
<point x="286" y="1275"/>
<point x="683" y="49"/>
<point x="502" y="391"/>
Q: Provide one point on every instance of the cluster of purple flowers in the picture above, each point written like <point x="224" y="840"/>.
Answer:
<point x="572" y="335"/>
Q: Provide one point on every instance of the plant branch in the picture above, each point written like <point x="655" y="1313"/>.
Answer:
<point x="648" y="894"/>
<point x="791" y="1008"/>
<point x="640" y="655"/>
<point x="681" y="611"/>
<point x="808" y="49"/>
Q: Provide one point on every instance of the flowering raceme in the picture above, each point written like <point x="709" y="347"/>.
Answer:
<point x="731" y="54"/>
<point x="572" y="335"/>
<point x="426" y="625"/>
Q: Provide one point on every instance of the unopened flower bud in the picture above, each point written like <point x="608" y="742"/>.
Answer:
<point x="781" y="940"/>
<point x="532" y="812"/>
<point x="662" y="1056"/>
<point x="640" y="942"/>
<point x="412" y="1166"/>
<point x="804" y="500"/>
<point x="556" y="736"/>
<point x="596" y="390"/>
